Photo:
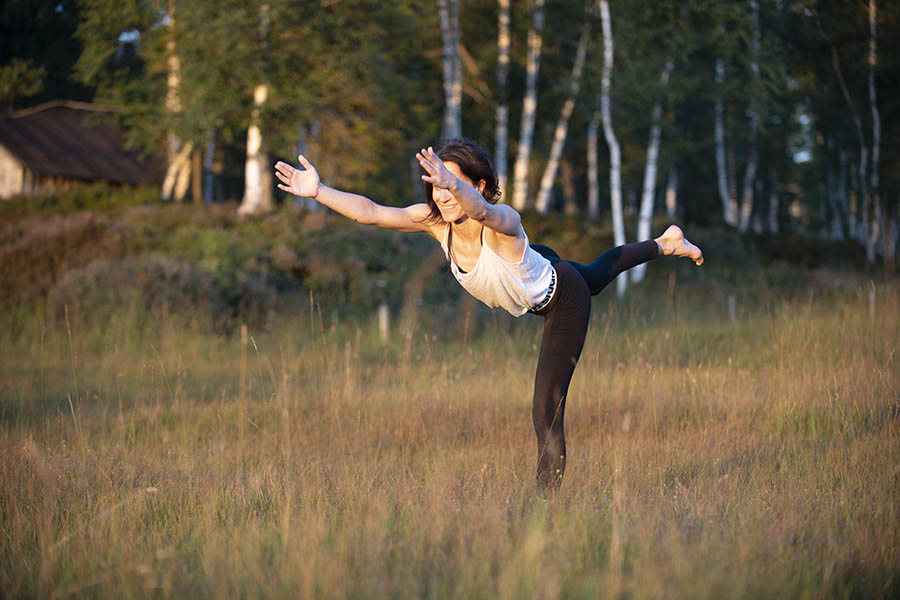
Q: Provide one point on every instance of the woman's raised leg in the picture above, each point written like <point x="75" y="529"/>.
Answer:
<point x="608" y="265"/>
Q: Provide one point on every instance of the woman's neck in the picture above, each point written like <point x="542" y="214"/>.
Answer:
<point x="466" y="229"/>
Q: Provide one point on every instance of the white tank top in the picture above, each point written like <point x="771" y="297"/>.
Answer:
<point x="514" y="286"/>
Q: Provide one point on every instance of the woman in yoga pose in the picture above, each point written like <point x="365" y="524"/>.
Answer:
<point x="490" y="256"/>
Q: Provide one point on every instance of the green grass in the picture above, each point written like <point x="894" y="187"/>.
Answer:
<point x="146" y="455"/>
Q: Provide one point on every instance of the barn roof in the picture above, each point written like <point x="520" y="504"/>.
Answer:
<point x="72" y="139"/>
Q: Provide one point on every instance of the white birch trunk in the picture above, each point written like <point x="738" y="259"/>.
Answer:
<point x="448" y="11"/>
<point x="593" y="198"/>
<point x="672" y="194"/>
<point x="753" y="154"/>
<point x="729" y="203"/>
<point x="502" y="131"/>
<point x="874" y="232"/>
<point x="562" y="125"/>
<point x="645" y="216"/>
<point x="615" y="155"/>
<point x="257" y="196"/>
<point x="178" y="167"/>
<point x="529" y="109"/>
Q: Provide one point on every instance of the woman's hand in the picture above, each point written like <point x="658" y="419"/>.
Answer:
<point x="300" y="183"/>
<point x="438" y="174"/>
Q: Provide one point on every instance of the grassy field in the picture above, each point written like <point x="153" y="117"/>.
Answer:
<point x="706" y="458"/>
<point x="194" y="405"/>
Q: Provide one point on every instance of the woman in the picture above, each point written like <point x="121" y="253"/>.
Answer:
<point x="490" y="256"/>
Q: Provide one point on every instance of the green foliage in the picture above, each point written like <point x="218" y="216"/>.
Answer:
<point x="38" y="50"/>
<point x="20" y="78"/>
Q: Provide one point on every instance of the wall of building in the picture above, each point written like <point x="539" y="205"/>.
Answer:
<point x="11" y="175"/>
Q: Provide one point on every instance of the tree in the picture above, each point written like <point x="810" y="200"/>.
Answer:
<point x="649" y="191"/>
<point x="615" y="154"/>
<point x="449" y="15"/>
<point x="562" y="126"/>
<point x="529" y="109"/>
<point x="502" y="118"/>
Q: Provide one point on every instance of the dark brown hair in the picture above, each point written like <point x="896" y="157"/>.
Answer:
<point x="474" y="163"/>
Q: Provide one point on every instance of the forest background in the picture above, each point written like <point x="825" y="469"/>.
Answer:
<point x="212" y="388"/>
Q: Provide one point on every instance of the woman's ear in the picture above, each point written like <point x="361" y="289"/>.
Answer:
<point x="481" y="185"/>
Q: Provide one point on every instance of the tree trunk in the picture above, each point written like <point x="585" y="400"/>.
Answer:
<point x="773" y="203"/>
<point x="570" y="203"/>
<point x="593" y="198"/>
<point x="257" y="195"/>
<point x="889" y="245"/>
<point x="672" y="193"/>
<point x="857" y="121"/>
<point x="849" y="197"/>
<point x="879" y="217"/>
<point x="562" y="125"/>
<point x="178" y="162"/>
<point x="208" y="175"/>
<point x="753" y="151"/>
<point x="197" y="176"/>
<point x="502" y="132"/>
<point x="529" y="109"/>
<point x="749" y="181"/>
<point x="615" y="155"/>
<point x="729" y="202"/>
<point x="448" y="10"/>
<point x="649" y="193"/>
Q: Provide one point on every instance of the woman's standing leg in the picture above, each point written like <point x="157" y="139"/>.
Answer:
<point x="565" y="326"/>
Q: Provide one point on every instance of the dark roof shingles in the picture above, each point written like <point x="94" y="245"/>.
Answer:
<point x="67" y="142"/>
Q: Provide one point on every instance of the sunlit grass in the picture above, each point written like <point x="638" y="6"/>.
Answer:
<point x="706" y="458"/>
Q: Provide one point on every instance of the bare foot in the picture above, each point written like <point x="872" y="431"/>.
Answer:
<point x="673" y="242"/>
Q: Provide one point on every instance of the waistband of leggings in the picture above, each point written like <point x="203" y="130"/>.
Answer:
<point x="551" y="290"/>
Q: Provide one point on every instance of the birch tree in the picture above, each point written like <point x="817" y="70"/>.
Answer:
<point x="502" y="114"/>
<point x="753" y="148"/>
<point x="862" y="169"/>
<point x="448" y="11"/>
<point x="729" y="201"/>
<point x="562" y="125"/>
<point x="178" y="156"/>
<point x="649" y="190"/>
<point x="615" y="154"/>
<point x="877" y="225"/>
<point x="529" y="108"/>
<point x="257" y="178"/>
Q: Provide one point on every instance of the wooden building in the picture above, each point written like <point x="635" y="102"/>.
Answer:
<point x="62" y="144"/>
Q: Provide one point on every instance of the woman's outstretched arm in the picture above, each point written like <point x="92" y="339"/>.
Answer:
<point x="305" y="183"/>
<point x="498" y="217"/>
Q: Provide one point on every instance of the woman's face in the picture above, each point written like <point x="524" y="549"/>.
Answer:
<point x="446" y="203"/>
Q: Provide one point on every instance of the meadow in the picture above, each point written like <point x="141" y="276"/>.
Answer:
<point x="148" y="453"/>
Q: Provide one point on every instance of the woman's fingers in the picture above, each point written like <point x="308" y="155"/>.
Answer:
<point x="284" y="178"/>
<point x="426" y="164"/>
<point x="306" y="164"/>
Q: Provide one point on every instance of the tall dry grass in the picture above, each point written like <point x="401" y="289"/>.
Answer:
<point x="706" y="458"/>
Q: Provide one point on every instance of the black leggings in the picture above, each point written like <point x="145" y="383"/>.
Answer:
<point x="565" y="325"/>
